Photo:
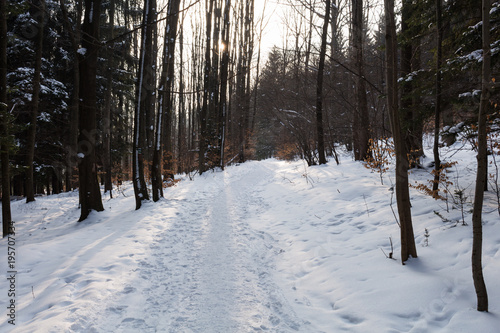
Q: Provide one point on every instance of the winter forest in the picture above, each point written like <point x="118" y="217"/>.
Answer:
<point x="237" y="165"/>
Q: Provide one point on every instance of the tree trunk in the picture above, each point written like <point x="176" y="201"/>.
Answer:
<point x="144" y="78"/>
<point x="106" y="121"/>
<point x="206" y="91"/>
<point x="413" y="125"/>
<point x="243" y="77"/>
<point x="181" y="135"/>
<point x="165" y="105"/>
<point x="7" y="225"/>
<point x="408" y="247"/>
<point x="437" y="112"/>
<point x="360" y="117"/>
<point x="71" y="149"/>
<point x="223" y="80"/>
<point x="90" y="193"/>
<point x="30" y="145"/>
<point x="482" y="163"/>
<point x="319" y="88"/>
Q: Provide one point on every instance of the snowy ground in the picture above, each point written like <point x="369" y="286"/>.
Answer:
<point x="263" y="246"/>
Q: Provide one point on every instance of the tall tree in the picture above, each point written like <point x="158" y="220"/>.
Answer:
<point x="482" y="164"/>
<point x="39" y="9"/>
<point x="410" y="62"/>
<point x="437" y="112"/>
<point x="90" y="193"/>
<point x="224" y="79"/>
<point x="108" y="95"/>
<point x="242" y="93"/>
<point x="408" y="247"/>
<point x="142" y="102"/>
<point x="319" y="87"/>
<point x="74" y="36"/>
<point x="207" y="73"/>
<point x="165" y="102"/>
<point x="181" y="121"/>
<point x="360" y="117"/>
<point x="4" y="123"/>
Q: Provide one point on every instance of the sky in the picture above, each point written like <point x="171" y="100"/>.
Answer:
<point x="273" y="31"/>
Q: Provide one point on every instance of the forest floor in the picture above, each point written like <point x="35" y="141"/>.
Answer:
<point x="262" y="246"/>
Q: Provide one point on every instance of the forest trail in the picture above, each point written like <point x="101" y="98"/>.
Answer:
<point x="208" y="271"/>
<point x="267" y="246"/>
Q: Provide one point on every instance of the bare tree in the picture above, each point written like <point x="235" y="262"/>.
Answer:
<point x="482" y="164"/>
<point x="224" y="79"/>
<point x="360" y="122"/>
<point x="319" y="88"/>
<point x="181" y="121"/>
<point x="142" y="102"/>
<point x="165" y="102"/>
<point x="408" y="247"/>
<point x="207" y="73"/>
<point x="437" y="112"/>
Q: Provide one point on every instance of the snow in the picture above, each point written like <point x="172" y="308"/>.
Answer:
<point x="263" y="246"/>
<point x="82" y="51"/>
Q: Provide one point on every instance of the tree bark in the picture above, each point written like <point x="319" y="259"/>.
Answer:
<point x="320" y="137"/>
<point x="181" y="122"/>
<point x="71" y="149"/>
<point x="361" y="117"/>
<point x="30" y="145"/>
<point x="207" y="73"/>
<point x="413" y="124"/>
<point x="144" y="76"/>
<point x="106" y="121"/>
<point x="408" y="247"/>
<point x="482" y="163"/>
<point x="223" y="80"/>
<point x="90" y="193"/>
<point x="7" y="225"/>
<point x="165" y="105"/>
<point x="437" y="112"/>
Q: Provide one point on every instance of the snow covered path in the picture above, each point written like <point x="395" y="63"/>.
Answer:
<point x="209" y="271"/>
<point x="190" y="263"/>
<point x="265" y="246"/>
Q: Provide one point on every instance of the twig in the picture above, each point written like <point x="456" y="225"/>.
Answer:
<point x="390" y="256"/>
<point x="394" y="213"/>
<point x="367" y="211"/>
<point x="392" y="249"/>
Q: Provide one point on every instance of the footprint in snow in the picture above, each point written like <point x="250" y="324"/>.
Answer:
<point x="128" y="290"/>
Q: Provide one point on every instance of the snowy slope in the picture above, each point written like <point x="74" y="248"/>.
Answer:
<point x="263" y="246"/>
